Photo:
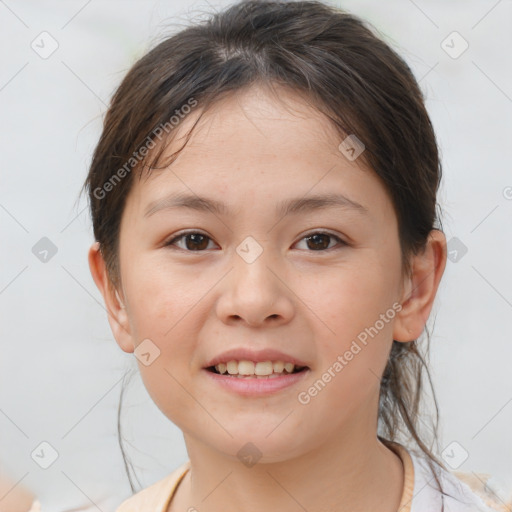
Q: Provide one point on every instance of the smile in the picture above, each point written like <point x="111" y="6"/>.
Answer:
<point x="261" y="369"/>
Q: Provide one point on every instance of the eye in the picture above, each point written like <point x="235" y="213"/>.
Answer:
<point x="194" y="241"/>
<point x="319" y="240"/>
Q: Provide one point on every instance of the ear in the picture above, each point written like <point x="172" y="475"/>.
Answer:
<point x="116" y="309"/>
<point x="420" y="288"/>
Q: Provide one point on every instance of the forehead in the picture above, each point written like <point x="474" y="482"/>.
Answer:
<point x="253" y="123"/>
<point x="254" y="144"/>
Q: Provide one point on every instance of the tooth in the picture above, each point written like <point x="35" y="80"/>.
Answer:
<point x="232" y="367"/>
<point x="263" y="368"/>
<point x="246" y="368"/>
<point x="278" y="366"/>
<point x="249" y="368"/>
<point x="289" y="367"/>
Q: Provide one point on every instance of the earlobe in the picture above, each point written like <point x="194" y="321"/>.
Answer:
<point x="420" y="288"/>
<point x="116" y="309"/>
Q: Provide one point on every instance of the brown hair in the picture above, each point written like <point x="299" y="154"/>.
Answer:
<point x="346" y="72"/>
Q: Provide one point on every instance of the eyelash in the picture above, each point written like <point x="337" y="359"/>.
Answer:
<point x="180" y="236"/>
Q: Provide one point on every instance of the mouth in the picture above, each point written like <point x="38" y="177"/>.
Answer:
<point x="256" y="370"/>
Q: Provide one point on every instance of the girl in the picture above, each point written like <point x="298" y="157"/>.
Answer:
<point x="263" y="199"/>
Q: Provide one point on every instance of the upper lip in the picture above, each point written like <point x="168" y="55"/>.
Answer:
<point x="245" y="354"/>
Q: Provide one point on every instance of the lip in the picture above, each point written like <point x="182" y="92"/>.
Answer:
<point x="245" y="354"/>
<point x="252" y="386"/>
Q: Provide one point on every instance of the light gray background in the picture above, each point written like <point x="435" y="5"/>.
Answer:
<point x="60" y="366"/>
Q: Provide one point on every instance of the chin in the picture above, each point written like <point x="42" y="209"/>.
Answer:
<point x="260" y="447"/>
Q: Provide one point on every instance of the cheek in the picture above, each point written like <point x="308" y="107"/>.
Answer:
<point x="355" y="304"/>
<point x="163" y="308"/>
<point x="160" y="299"/>
<point x="351" y="298"/>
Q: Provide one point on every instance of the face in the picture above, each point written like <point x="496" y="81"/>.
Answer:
<point x="310" y="284"/>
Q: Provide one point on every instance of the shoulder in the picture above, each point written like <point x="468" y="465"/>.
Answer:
<point x="494" y="494"/>
<point x="461" y="492"/>
<point x="155" y="497"/>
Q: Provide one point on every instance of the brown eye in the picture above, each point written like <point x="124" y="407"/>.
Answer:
<point x="194" y="241"/>
<point x="321" y="241"/>
<point x="198" y="242"/>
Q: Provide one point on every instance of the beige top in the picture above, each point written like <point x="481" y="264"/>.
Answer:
<point x="36" y="507"/>
<point x="158" y="496"/>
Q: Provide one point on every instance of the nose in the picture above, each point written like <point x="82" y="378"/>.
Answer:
<point x="255" y="293"/>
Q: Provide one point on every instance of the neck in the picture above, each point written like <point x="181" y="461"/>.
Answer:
<point x="346" y="477"/>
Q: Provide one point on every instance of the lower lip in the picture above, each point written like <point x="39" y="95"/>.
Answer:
<point x="252" y="386"/>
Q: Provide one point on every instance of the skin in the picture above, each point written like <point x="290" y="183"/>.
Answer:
<point x="252" y="152"/>
<point x="14" y="498"/>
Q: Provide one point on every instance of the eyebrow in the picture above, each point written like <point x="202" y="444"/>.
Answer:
<point x="286" y="207"/>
